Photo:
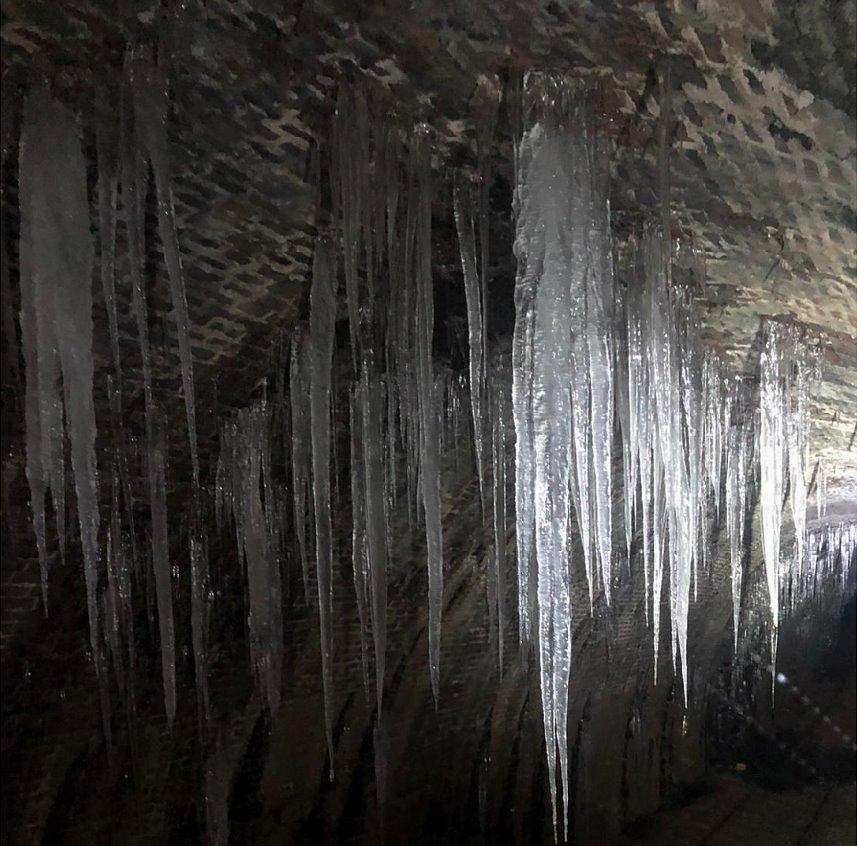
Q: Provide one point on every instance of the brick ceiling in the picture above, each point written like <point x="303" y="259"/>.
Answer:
<point x="763" y="154"/>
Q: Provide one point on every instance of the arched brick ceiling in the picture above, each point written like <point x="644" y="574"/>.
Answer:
<point x="764" y="171"/>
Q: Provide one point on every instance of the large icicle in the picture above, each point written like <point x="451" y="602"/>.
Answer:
<point x="56" y="283"/>
<point x="321" y="334"/>
<point x="563" y="362"/>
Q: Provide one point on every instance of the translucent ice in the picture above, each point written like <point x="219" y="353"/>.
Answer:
<point x="56" y="274"/>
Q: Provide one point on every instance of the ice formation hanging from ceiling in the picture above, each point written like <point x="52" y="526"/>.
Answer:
<point x="607" y="384"/>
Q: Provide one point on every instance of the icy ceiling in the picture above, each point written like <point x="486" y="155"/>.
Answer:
<point x="763" y="144"/>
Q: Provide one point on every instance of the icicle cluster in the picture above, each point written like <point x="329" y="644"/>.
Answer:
<point x="575" y="353"/>
<point x="828" y="562"/>
<point x="590" y="338"/>
<point x="676" y="422"/>
<point x="789" y="371"/>
<point x="382" y="196"/>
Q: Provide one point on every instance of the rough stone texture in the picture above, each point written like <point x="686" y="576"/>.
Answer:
<point x="764" y="180"/>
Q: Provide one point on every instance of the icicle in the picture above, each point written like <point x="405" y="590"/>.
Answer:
<point x="107" y="147"/>
<point x="599" y="339"/>
<point x="111" y="597"/>
<point x="359" y="558"/>
<point x="244" y="445"/>
<point x="349" y="172"/>
<point x="322" y="316"/>
<point x="56" y="261"/>
<point x="263" y="569"/>
<point x="467" y="245"/>
<point x="134" y="178"/>
<point x="499" y="502"/>
<point x="821" y="489"/>
<point x="563" y="379"/>
<point x="805" y="378"/>
<point x="372" y="406"/>
<point x="299" y="381"/>
<point x="37" y="473"/>
<point x="623" y="411"/>
<point x="161" y="567"/>
<point x="429" y="464"/>
<point x="199" y="605"/>
<point x="486" y="109"/>
<point x="529" y="248"/>
<point x="150" y="107"/>
<point x="772" y="444"/>
<point x="636" y="430"/>
<point x="735" y="475"/>
<point x="659" y="507"/>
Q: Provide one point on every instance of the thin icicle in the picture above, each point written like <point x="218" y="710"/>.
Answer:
<point x="372" y="409"/>
<point x="299" y="388"/>
<point x="150" y="107"/>
<point x="199" y="598"/>
<point x="486" y="110"/>
<point x="467" y="246"/>
<point x="499" y="502"/>
<point x="805" y="378"/>
<point x="599" y="339"/>
<point x="161" y="567"/>
<point x="623" y="407"/>
<point x="429" y="465"/>
<point x="244" y="475"/>
<point x="321" y="335"/>
<point x="736" y="507"/>
<point x="528" y="252"/>
<point x="359" y="557"/>
<point x="772" y="445"/>
<point x="107" y="147"/>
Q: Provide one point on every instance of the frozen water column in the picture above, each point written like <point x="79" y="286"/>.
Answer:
<point x="564" y="282"/>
